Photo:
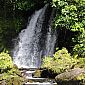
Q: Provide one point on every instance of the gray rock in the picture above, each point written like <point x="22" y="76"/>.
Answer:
<point x="70" y="74"/>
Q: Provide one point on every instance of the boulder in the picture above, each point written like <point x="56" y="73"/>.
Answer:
<point x="69" y="75"/>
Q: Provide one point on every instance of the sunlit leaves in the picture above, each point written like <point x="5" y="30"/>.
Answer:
<point x="9" y="72"/>
<point x="61" y="61"/>
<point x="71" y="15"/>
<point x="5" y="61"/>
<point x="80" y="47"/>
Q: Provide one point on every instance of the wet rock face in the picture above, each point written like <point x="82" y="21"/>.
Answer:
<point x="48" y="74"/>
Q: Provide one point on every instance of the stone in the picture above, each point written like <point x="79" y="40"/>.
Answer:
<point x="70" y="74"/>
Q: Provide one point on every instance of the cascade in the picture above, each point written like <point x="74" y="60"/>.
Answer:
<point x="36" y="41"/>
<point x="51" y="37"/>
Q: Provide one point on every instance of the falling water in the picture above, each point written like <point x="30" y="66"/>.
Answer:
<point x="28" y="51"/>
<point x="51" y="37"/>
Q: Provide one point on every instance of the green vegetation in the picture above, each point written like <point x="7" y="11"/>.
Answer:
<point x="5" y="62"/>
<point x="27" y="5"/>
<point x="79" y="48"/>
<point x="70" y="22"/>
<point x="70" y="19"/>
<point x="62" y="61"/>
<point x="9" y="73"/>
<point x="71" y="16"/>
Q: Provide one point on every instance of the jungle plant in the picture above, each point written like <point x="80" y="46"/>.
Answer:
<point x="71" y="15"/>
<point x="60" y="62"/>
<point x="5" y="62"/>
<point x="9" y="73"/>
<point x="79" y="48"/>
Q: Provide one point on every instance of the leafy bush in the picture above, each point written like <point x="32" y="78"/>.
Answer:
<point x="5" y="61"/>
<point x="60" y="62"/>
<point x="80" y="47"/>
<point x="70" y="14"/>
<point x="80" y="63"/>
<point x="9" y="73"/>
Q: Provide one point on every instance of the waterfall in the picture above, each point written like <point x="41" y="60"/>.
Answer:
<point x="29" y="49"/>
<point x="51" y="37"/>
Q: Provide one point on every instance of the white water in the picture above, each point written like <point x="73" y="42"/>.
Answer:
<point x="51" y="37"/>
<point x="27" y="52"/>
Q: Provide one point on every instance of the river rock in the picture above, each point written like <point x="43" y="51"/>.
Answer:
<point x="66" y="76"/>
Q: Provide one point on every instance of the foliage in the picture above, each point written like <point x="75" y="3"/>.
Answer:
<point x="11" y="21"/>
<point x="28" y="4"/>
<point x="5" y="61"/>
<point x="37" y="73"/>
<point x="81" y="77"/>
<point x="71" y="15"/>
<point x="80" y="63"/>
<point x="80" y="47"/>
<point x="60" y="62"/>
<point x="23" y="4"/>
<point x="9" y="73"/>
